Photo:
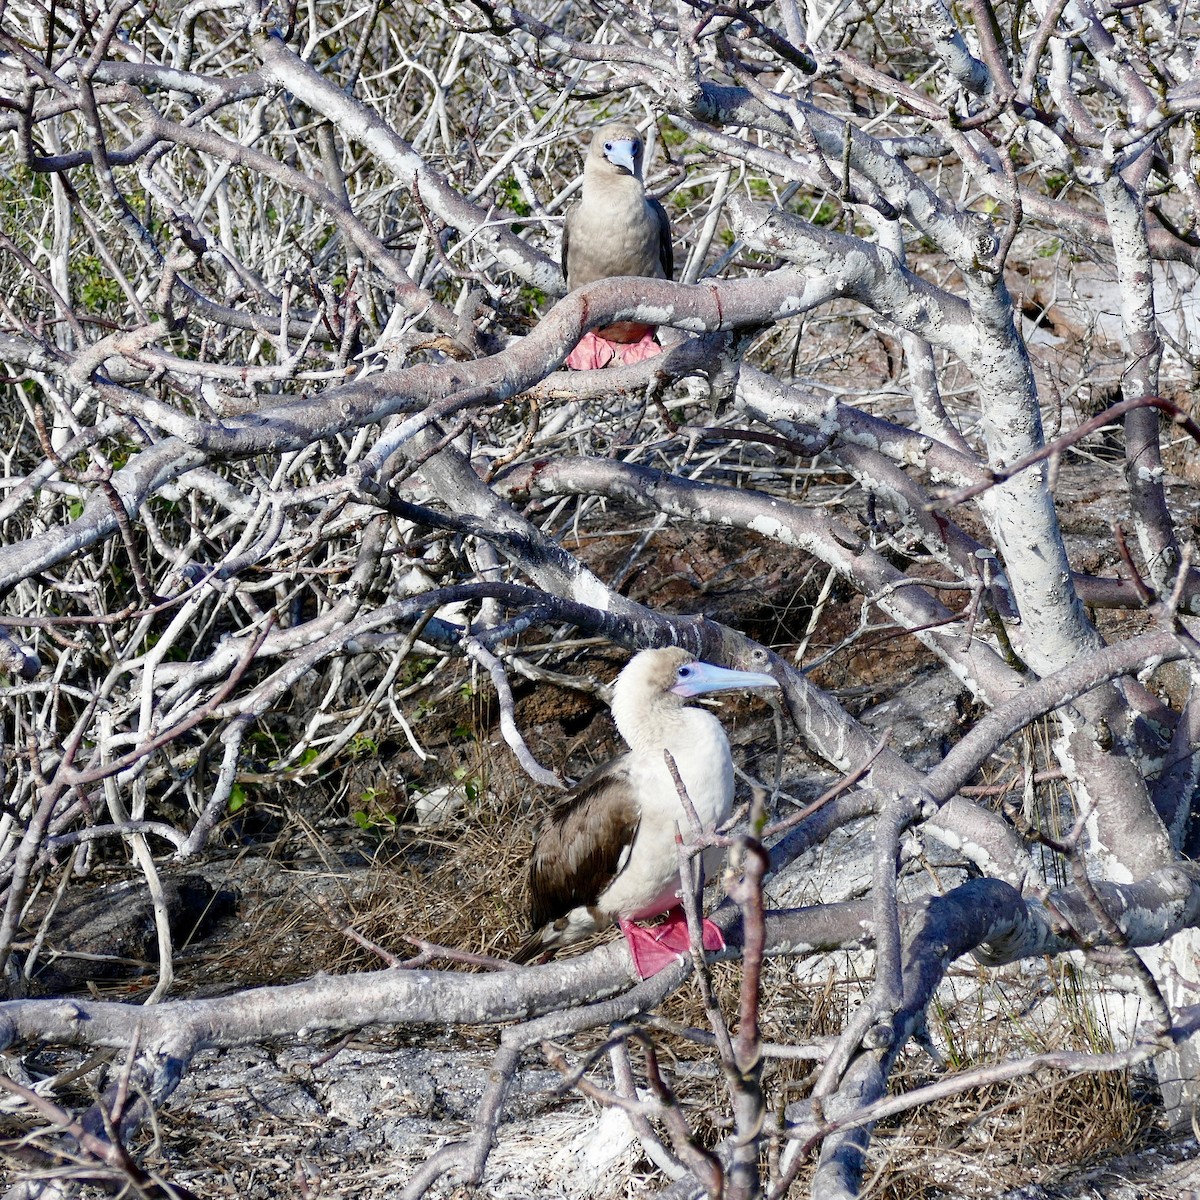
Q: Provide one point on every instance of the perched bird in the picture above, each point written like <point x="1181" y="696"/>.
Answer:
<point x="615" y="229"/>
<point x="607" y="850"/>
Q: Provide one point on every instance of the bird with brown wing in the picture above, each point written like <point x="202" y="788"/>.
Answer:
<point x="615" y="230"/>
<point x="607" y="851"/>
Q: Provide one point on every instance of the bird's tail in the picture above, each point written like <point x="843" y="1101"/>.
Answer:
<point x="535" y="949"/>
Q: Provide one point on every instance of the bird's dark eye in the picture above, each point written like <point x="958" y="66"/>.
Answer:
<point x="607" y="146"/>
<point x="684" y="671"/>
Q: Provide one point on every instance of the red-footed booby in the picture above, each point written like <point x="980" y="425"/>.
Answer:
<point x="615" y="229"/>
<point x="607" y="851"/>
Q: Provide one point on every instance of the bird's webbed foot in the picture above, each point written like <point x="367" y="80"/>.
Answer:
<point x="659" y="946"/>
<point x="639" y="351"/>
<point x="594" y="351"/>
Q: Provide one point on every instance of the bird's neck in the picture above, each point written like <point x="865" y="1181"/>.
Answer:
<point x="700" y="749"/>
<point x="658" y="729"/>
<point x="607" y="188"/>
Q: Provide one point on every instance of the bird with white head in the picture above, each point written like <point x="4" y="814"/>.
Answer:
<point x="607" y="851"/>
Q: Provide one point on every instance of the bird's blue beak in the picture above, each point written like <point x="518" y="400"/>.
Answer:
<point x="622" y="153"/>
<point x="699" y="678"/>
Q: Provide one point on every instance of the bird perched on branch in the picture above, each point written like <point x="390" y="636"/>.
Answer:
<point x="607" y="852"/>
<point x="615" y="229"/>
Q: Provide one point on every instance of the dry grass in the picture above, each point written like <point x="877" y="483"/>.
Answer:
<point x="467" y="892"/>
<point x="995" y="1139"/>
<point x="460" y="886"/>
<point x="1037" y="1130"/>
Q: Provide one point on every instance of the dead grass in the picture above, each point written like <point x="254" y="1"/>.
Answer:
<point x="468" y="893"/>
<point x="460" y="886"/>
<point x="993" y="1140"/>
<point x="1038" y="1130"/>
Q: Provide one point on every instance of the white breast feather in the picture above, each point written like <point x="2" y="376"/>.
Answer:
<point x="649" y="879"/>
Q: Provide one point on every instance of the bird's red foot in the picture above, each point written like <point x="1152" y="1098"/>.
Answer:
<point x="594" y="351"/>
<point x="659" y="946"/>
<point x="634" y="352"/>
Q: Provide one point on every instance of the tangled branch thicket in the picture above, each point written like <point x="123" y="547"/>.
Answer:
<point x="285" y="436"/>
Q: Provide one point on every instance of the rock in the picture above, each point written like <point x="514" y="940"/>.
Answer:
<point x="110" y="934"/>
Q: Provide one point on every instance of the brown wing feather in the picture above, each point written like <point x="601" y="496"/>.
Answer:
<point x="566" y="242"/>
<point x="579" y="850"/>
<point x="666" y="252"/>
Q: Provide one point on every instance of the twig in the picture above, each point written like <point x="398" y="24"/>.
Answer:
<point x="476" y="650"/>
<point x="842" y="785"/>
<point x="1053" y="449"/>
<point x="74" y="778"/>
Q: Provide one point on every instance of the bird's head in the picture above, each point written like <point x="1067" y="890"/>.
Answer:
<point x="657" y="681"/>
<point x="616" y="150"/>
